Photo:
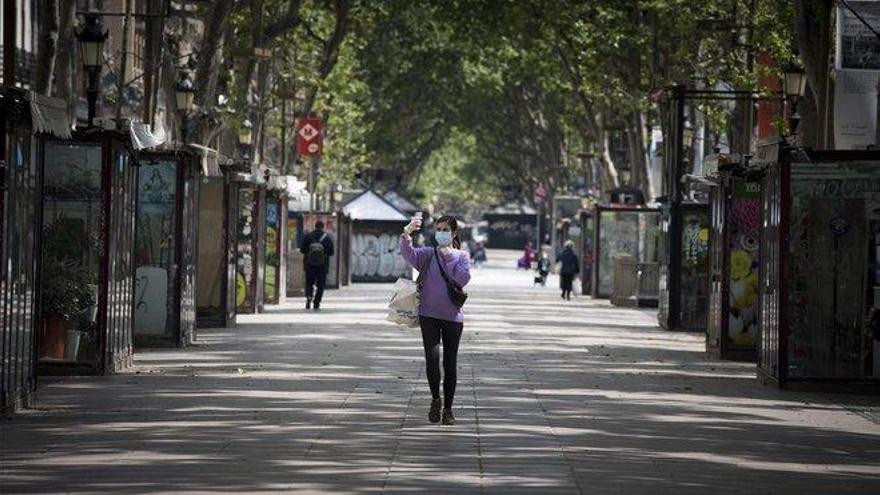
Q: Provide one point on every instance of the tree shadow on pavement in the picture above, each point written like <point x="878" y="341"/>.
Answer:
<point x="578" y="398"/>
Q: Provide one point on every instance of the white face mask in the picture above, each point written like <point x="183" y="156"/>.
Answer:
<point x="443" y="238"/>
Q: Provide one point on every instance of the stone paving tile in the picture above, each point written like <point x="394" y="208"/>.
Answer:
<point x="553" y="398"/>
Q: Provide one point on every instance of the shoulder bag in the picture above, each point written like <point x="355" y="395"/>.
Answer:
<point x="458" y="296"/>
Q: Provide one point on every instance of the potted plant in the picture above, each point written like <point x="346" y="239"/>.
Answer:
<point x="68" y="290"/>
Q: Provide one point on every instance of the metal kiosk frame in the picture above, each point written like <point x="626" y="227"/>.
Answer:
<point x="819" y="218"/>
<point x="180" y="323"/>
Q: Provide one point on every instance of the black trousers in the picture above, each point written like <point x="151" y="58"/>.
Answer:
<point x="566" y="281"/>
<point x="449" y="332"/>
<point x="316" y="279"/>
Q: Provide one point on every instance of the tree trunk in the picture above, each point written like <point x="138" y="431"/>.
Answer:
<point x="122" y="73"/>
<point x="638" y="149"/>
<point x="258" y="115"/>
<point x="252" y="93"/>
<point x="46" y="48"/>
<point x="739" y="135"/>
<point x="167" y="77"/>
<point x="610" y="179"/>
<point x="65" y="56"/>
<point x="152" y="56"/>
<point x="813" y="18"/>
<point x="208" y="68"/>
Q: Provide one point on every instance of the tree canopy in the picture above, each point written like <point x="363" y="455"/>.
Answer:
<point x="468" y="98"/>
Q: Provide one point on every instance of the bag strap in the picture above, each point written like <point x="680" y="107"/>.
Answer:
<point x="442" y="270"/>
<point x="321" y="240"/>
<point x="420" y="280"/>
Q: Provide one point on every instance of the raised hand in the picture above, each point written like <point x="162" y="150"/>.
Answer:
<point x="414" y="225"/>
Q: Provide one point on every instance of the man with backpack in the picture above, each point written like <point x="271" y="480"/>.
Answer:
<point x="317" y="248"/>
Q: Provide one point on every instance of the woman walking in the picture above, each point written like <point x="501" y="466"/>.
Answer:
<point x="571" y="266"/>
<point x="525" y="261"/>
<point x="440" y="318"/>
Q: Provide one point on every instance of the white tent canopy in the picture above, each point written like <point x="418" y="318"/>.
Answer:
<point x="370" y="206"/>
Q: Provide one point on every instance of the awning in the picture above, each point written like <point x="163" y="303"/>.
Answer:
<point x="210" y="160"/>
<point x="243" y="177"/>
<point x="295" y="187"/>
<point x="371" y="206"/>
<point x="142" y="138"/>
<point x="49" y="115"/>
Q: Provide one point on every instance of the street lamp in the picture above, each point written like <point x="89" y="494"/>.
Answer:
<point x="795" y="81"/>
<point x="687" y="135"/>
<point x="91" y="40"/>
<point x="246" y="134"/>
<point x="245" y="137"/>
<point x="184" y="96"/>
<point x="795" y="86"/>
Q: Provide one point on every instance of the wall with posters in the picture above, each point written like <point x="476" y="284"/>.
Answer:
<point x="375" y="252"/>
<point x="295" y="277"/>
<point x="857" y="73"/>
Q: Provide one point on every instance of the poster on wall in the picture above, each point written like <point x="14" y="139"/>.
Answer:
<point x="155" y="246"/>
<point x="856" y="75"/>
<point x="245" y="269"/>
<point x="857" y="46"/>
<point x="294" y="266"/>
<point x="375" y="252"/>
<point x="272" y="259"/>
<point x="855" y="109"/>
<point x="745" y="225"/>
<point x="695" y="269"/>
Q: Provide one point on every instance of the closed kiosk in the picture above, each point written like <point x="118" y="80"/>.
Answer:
<point x="376" y="226"/>
<point x="819" y="284"/>
<point x="165" y="249"/>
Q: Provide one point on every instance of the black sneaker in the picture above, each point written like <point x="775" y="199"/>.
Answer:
<point x="308" y="303"/>
<point x="448" y="418"/>
<point x="434" y="412"/>
<point x="317" y="306"/>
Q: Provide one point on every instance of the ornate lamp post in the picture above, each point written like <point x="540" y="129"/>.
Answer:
<point x="246" y="134"/>
<point x="794" y="85"/>
<point x="184" y="98"/>
<point x="91" y="40"/>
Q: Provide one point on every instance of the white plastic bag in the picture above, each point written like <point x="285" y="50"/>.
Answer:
<point x="403" y="308"/>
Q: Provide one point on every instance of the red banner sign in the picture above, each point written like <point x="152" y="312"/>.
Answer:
<point x="309" y="137"/>
<point x="768" y="110"/>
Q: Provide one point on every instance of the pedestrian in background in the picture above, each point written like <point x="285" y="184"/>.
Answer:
<point x="543" y="268"/>
<point x="547" y="249"/>
<point x="525" y="262"/>
<point x="480" y="255"/>
<point x="471" y="246"/>
<point x="317" y="248"/>
<point x="440" y="318"/>
<point x="570" y="267"/>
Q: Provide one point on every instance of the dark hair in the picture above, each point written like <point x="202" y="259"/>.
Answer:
<point x="319" y="225"/>
<point x="453" y="224"/>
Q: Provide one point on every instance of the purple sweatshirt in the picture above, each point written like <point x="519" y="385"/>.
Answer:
<point x="435" y="298"/>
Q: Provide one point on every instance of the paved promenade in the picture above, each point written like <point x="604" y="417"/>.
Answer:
<point x="553" y="397"/>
